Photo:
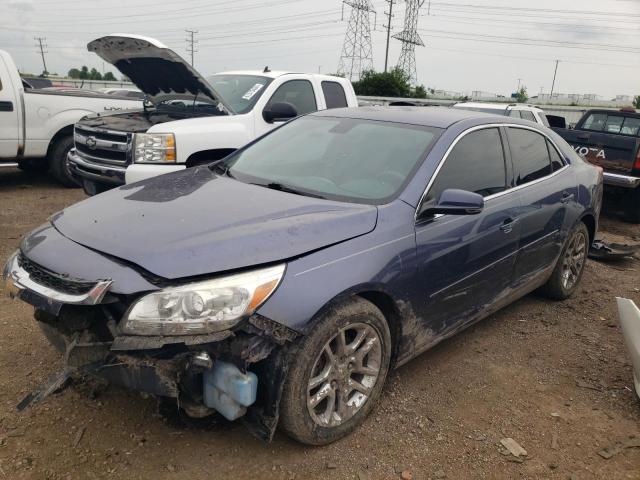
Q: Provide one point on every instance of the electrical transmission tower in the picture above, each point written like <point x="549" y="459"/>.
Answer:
<point x="357" y="52"/>
<point x="191" y="43"/>
<point x="410" y="38"/>
<point x="42" y="46"/>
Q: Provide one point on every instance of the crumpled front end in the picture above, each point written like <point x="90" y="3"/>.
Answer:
<point x="237" y="372"/>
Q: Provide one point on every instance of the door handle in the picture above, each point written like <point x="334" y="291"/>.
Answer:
<point x="566" y="197"/>
<point x="6" y="106"/>
<point x="507" y="225"/>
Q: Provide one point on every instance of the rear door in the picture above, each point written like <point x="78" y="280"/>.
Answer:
<point x="465" y="263"/>
<point x="9" y="113"/>
<point x="546" y="189"/>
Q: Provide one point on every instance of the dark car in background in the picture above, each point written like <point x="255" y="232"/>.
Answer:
<point x="611" y="140"/>
<point x="282" y="283"/>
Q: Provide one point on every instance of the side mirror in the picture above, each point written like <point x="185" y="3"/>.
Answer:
<point x="455" y="202"/>
<point x="279" y="112"/>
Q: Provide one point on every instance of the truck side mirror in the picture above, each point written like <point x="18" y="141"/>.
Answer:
<point x="279" y="112"/>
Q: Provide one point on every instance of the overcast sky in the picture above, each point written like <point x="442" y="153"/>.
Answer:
<point x="470" y="44"/>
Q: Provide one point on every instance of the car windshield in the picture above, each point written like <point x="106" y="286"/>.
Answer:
<point x="240" y="92"/>
<point x="362" y="161"/>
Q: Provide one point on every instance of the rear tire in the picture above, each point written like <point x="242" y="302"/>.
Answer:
<point x="632" y="206"/>
<point x="568" y="271"/>
<point x="58" y="163"/>
<point x="344" y="362"/>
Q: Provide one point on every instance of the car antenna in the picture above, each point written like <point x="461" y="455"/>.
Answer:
<point x="266" y="69"/>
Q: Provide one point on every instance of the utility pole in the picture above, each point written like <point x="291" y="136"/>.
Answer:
<point x="519" y="80"/>
<point x="553" y="85"/>
<point x="42" y="52"/>
<point x="191" y="43"/>
<point x="390" y="15"/>
<point x="357" y="56"/>
<point x="410" y="39"/>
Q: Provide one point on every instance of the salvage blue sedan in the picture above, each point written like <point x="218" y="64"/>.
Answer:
<point x="282" y="283"/>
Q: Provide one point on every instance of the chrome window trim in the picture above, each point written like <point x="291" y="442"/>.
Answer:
<point x="482" y="127"/>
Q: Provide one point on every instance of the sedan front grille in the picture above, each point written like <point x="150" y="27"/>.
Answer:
<point x="52" y="280"/>
<point x="105" y="147"/>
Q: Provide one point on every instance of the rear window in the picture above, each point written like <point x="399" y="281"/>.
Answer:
<point x="603" y="122"/>
<point x="334" y="95"/>
<point x="527" y="115"/>
<point x="595" y="122"/>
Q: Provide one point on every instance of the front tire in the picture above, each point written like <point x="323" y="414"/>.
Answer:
<point x="337" y="373"/>
<point x="58" y="163"/>
<point x="568" y="271"/>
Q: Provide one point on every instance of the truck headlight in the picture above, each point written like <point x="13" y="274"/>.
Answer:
<point x="202" y="307"/>
<point x="154" y="148"/>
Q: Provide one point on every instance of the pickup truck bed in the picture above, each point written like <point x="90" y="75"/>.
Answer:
<point x="611" y="140"/>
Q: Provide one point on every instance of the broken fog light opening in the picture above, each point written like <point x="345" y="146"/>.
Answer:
<point x="202" y="307"/>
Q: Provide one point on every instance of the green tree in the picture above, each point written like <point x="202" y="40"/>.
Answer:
<point x="522" y="96"/>
<point x="84" y="73"/>
<point x="420" y="92"/>
<point x="636" y="101"/>
<point x="74" y="73"/>
<point x="95" y="75"/>
<point x="383" y="84"/>
<point x="109" y="77"/>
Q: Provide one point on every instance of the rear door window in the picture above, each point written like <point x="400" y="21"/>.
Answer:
<point x="530" y="155"/>
<point x="476" y="164"/>
<point x="556" y="159"/>
<point x="334" y="95"/>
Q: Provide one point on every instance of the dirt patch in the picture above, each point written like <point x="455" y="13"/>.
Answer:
<point x="554" y="377"/>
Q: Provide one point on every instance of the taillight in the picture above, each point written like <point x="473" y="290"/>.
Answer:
<point x="636" y="164"/>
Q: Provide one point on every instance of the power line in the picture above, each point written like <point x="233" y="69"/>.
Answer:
<point x="191" y="43"/>
<point x="42" y="52"/>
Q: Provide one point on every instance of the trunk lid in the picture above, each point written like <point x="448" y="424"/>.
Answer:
<point x="155" y="69"/>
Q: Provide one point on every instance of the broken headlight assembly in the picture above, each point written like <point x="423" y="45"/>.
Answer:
<point x="202" y="307"/>
<point x="154" y="148"/>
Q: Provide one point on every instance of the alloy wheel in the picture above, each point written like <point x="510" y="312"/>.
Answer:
<point x="573" y="261"/>
<point x="344" y="375"/>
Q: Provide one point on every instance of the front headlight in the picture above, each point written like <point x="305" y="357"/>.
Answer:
<point x="202" y="307"/>
<point x="154" y="148"/>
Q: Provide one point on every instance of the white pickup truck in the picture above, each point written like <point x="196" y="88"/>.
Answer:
<point x="189" y="120"/>
<point x="36" y="126"/>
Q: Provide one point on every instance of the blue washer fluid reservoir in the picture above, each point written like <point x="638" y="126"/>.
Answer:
<point x="228" y="390"/>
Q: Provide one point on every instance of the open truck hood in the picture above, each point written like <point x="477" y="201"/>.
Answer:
<point x="154" y="68"/>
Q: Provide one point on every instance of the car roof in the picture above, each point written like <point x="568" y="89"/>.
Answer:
<point x="439" y="117"/>
<point x="497" y="106"/>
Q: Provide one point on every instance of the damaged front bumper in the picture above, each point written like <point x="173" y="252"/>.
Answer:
<point x="236" y="373"/>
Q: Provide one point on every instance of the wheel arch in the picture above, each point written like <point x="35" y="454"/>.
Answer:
<point x="590" y="222"/>
<point x="63" y="132"/>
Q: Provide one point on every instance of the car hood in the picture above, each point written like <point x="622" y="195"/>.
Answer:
<point x="154" y="68"/>
<point x="195" y="222"/>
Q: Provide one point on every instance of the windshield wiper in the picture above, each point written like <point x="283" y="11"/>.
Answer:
<point x="285" y="188"/>
<point x="221" y="168"/>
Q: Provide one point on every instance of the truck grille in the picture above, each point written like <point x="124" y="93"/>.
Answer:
<point x="51" y="280"/>
<point x="105" y="147"/>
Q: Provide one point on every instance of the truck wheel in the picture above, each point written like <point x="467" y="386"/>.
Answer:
<point x="58" y="161"/>
<point x="568" y="272"/>
<point x="632" y="206"/>
<point x="337" y="373"/>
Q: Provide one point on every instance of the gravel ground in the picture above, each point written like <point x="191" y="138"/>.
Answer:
<point x="554" y="377"/>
